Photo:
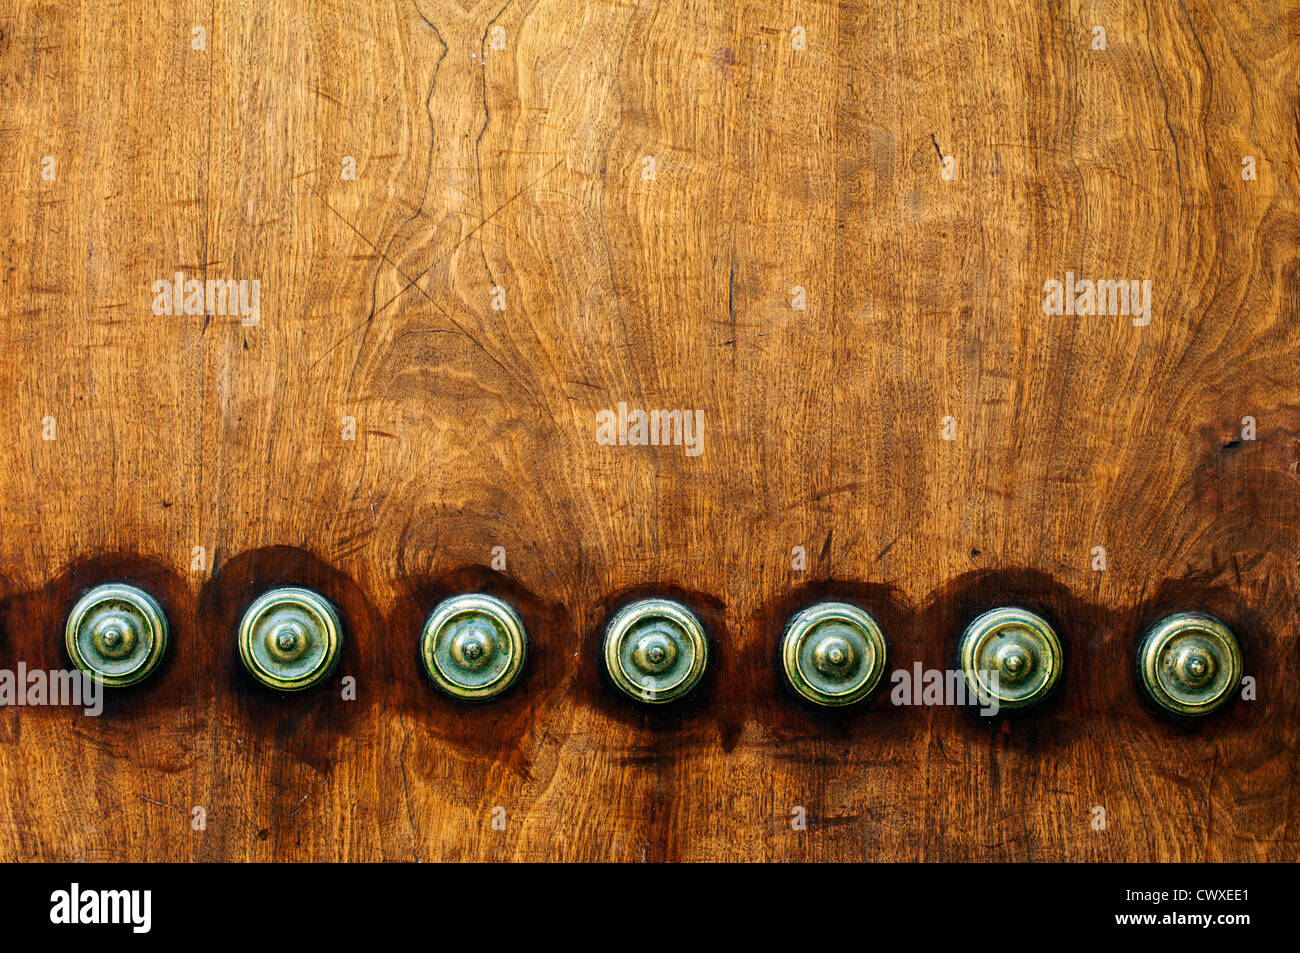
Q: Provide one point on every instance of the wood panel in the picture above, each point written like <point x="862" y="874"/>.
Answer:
<point x="504" y="266"/>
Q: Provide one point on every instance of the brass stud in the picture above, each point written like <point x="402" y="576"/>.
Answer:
<point x="473" y="646"/>
<point x="1190" y="663"/>
<point x="116" y="634"/>
<point x="655" y="650"/>
<point x="833" y="653"/>
<point x="290" y="638"/>
<point x="1011" y="657"/>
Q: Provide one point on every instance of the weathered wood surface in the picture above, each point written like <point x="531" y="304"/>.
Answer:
<point x="524" y="169"/>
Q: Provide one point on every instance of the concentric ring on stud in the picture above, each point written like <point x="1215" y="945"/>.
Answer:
<point x="655" y="650"/>
<point x="833" y="653"/>
<point x="1010" y="657"/>
<point x="290" y="638"/>
<point x="117" y="634"/>
<point x="1189" y="663"/>
<point x="473" y="646"/>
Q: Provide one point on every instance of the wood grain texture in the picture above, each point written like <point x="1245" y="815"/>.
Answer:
<point x="523" y="169"/>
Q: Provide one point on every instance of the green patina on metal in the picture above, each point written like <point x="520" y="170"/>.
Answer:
<point x="1190" y="663"/>
<point x="474" y="646"/>
<point x="1010" y="656"/>
<point x="655" y="650"/>
<point x="117" y="634"/>
<point x="290" y="639"/>
<point x="833" y="653"/>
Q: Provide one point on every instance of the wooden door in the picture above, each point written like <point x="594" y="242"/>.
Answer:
<point x="829" y="230"/>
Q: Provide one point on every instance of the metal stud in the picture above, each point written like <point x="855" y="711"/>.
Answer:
<point x="655" y="650"/>
<point x="1011" y="657"/>
<point x="833" y="653"/>
<point x="116" y="634"/>
<point x="290" y="639"/>
<point x="1190" y="663"/>
<point x="474" y="646"/>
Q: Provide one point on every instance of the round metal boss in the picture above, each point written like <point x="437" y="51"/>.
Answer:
<point x="1190" y="663"/>
<point x="1010" y="656"/>
<point x="474" y="646"/>
<point x="655" y="650"/>
<point x="290" y="638"/>
<point x="116" y="634"/>
<point x="833" y="653"/>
